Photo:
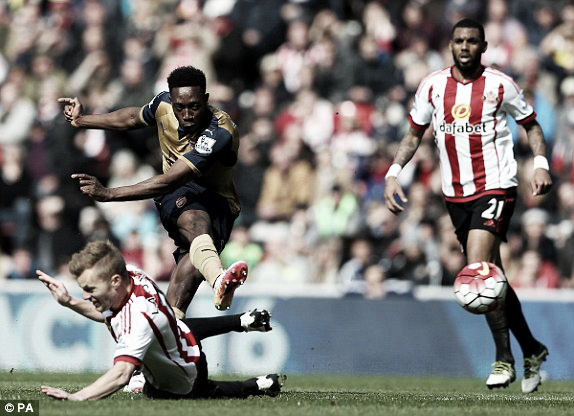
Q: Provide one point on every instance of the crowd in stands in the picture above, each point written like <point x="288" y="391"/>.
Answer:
<point x="320" y="90"/>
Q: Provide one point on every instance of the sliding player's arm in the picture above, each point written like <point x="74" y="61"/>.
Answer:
<point x="60" y="293"/>
<point x="110" y="382"/>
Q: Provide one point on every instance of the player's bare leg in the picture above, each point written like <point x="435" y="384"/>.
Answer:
<point x="482" y="245"/>
<point x="183" y="285"/>
<point x="510" y="319"/>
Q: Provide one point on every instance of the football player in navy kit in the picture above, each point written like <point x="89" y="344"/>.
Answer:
<point x="195" y="196"/>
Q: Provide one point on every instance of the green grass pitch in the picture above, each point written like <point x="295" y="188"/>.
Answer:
<point x="312" y="395"/>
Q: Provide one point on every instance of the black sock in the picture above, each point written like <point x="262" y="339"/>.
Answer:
<point x="519" y="327"/>
<point x="498" y="325"/>
<point x="208" y="327"/>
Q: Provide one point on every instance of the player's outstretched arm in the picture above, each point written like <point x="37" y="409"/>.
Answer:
<point x="407" y="149"/>
<point x="113" y="380"/>
<point x="60" y="293"/>
<point x="541" y="182"/>
<point x="123" y="119"/>
<point x="178" y="174"/>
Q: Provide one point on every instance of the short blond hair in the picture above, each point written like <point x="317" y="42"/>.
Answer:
<point x="102" y="256"/>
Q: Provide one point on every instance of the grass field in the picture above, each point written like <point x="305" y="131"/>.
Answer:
<point x="312" y="395"/>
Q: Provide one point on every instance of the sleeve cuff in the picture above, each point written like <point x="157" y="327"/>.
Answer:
<point x="128" y="359"/>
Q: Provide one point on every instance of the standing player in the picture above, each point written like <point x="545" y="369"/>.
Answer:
<point x="196" y="196"/>
<point x="149" y="337"/>
<point x="468" y="105"/>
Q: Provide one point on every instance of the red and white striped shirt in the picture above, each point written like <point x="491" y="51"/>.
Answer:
<point x="149" y="335"/>
<point x="470" y="129"/>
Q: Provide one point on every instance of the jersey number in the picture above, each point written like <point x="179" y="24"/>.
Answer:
<point x="494" y="210"/>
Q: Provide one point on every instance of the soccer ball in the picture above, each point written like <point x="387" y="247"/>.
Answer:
<point x="480" y="287"/>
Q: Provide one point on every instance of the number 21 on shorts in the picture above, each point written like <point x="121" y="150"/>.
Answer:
<point x="494" y="209"/>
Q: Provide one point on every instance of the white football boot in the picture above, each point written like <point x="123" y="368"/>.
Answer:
<point x="501" y="376"/>
<point x="532" y="364"/>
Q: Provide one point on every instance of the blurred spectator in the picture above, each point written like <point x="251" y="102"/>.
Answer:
<point x="499" y="52"/>
<point x="333" y="73"/>
<point x="335" y="40"/>
<point x="94" y="226"/>
<point x="57" y="236"/>
<point x="135" y="47"/>
<point x="375" y="282"/>
<point x="95" y="68"/>
<point x="44" y="71"/>
<point x="378" y="25"/>
<point x="132" y="87"/>
<point x="240" y="247"/>
<point x="534" y="238"/>
<point x="350" y="145"/>
<point x="416" y="20"/>
<point x="511" y="29"/>
<point x="308" y="118"/>
<point x="261" y="27"/>
<point x="23" y="32"/>
<point x="23" y="264"/>
<point x="315" y="115"/>
<point x="455" y="10"/>
<point x="15" y="204"/>
<point x="351" y="276"/>
<point x="383" y="230"/>
<point x="563" y="151"/>
<point x="189" y="39"/>
<point x="558" y="45"/>
<point x="280" y="265"/>
<point x="129" y="217"/>
<point x="163" y="258"/>
<point x="132" y="248"/>
<point x="258" y="105"/>
<point x="411" y="263"/>
<point x="5" y="265"/>
<point x="296" y="53"/>
<point x="250" y="171"/>
<point x="336" y="214"/>
<point x="545" y="18"/>
<point x="287" y="183"/>
<point x="17" y="112"/>
<point x="415" y="62"/>
<point x="535" y="272"/>
<point x="367" y="65"/>
<point x="272" y="78"/>
<point x="326" y="257"/>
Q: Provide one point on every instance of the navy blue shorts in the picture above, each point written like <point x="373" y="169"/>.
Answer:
<point x="491" y="212"/>
<point x="197" y="197"/>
